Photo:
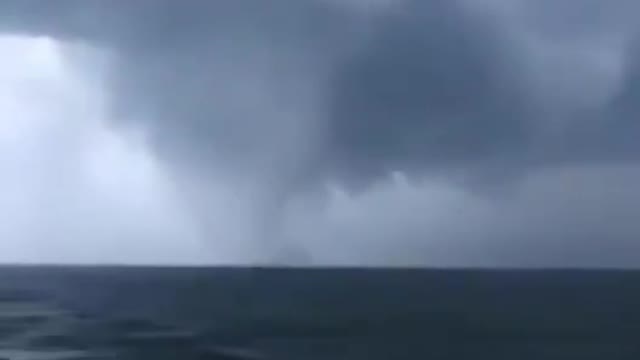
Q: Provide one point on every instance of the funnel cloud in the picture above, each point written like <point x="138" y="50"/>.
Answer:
<point x="359" y="132"/>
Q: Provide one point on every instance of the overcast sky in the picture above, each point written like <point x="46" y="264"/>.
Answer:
<point x="355" y="132"/>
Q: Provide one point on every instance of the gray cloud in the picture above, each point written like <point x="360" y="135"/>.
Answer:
<point x="436" y="88"/>
<point x="73" y="189"/>
<point x="490" y="92"/>
<point x="226" y="89"/>
<point x="571" y="217"/>
<point x="315" y="89"/>
<point x="282" y="96"/>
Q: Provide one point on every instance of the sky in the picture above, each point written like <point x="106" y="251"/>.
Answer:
<point x="495" y="133"/>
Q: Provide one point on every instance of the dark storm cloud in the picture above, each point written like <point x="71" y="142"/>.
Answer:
<point x="275" y="96"/>
<point x="438" y="88"/>
<point x="302" y="85"/>
<point x="434" y="88"/>
<point x="318" y="90"/>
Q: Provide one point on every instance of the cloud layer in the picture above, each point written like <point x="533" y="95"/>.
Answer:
<point x="72" y="188"/>
<point x="273" y="101"/>
<point x="318" y="90"/>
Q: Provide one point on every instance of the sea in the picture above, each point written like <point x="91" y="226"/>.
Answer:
<point x="75" y="312"/>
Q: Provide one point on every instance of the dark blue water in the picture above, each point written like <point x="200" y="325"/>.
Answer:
<point x="242" y="313"/>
